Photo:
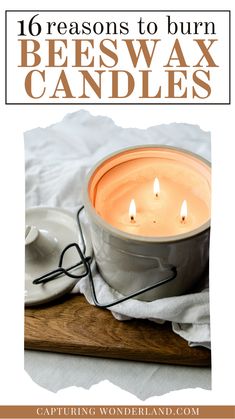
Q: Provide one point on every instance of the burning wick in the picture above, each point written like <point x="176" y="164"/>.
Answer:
<point x="132" y="211"/>
<point x="156" y="187"/>
<point x="184" y="211"/>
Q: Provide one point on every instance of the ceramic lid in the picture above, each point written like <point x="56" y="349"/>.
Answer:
<point x="48" y="231"/>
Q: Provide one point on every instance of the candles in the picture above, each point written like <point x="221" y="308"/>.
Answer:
<point x="168" y="192"/>
<point x="149" y="209"/>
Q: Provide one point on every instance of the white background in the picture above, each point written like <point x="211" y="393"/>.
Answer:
<point x="16" y="386"/>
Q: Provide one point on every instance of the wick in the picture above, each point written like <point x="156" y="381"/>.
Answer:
<point x="132" y="219"/>
<point x="183" y="219"/>
<point x="156" y="195"/>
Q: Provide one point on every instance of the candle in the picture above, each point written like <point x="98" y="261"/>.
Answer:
<point x="179" y="177"/>
<point x="149" y="210"/>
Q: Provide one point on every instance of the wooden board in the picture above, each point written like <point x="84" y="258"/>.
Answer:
<point x="73" y="326"/>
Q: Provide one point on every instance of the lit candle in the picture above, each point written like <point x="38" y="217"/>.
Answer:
<point x="135" y="248"/>
<point x="134" y="178"/>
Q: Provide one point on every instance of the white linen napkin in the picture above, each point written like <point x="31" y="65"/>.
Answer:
<point x="58" y="157"/>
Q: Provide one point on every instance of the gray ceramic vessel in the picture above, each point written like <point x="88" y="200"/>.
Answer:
<point x="130" y="262"/>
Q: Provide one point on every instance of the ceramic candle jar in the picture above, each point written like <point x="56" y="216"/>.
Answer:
<point x="149" y="210"/>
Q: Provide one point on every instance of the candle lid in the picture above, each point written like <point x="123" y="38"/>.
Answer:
<point x="48" y="231"/>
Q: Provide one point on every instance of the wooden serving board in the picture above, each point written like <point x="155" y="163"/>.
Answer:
<point x="73" y="326"/>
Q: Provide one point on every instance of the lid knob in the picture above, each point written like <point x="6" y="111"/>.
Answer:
<point x="31" y="234"/>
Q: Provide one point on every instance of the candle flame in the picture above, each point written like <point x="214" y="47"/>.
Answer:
<point x="184" y="211"/>
<point x="132" y="210"/>
<point x="156" y="186"/>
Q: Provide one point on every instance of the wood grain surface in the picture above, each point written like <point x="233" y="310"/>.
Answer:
<point x="73" y="326"/>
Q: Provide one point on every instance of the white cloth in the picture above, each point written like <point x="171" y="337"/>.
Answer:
<point x="57" y="159"/>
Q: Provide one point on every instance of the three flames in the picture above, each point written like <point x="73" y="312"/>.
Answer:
<point x="156" y="191"/>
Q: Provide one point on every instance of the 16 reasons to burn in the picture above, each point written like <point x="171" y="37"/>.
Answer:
<point x="34" y="28"/>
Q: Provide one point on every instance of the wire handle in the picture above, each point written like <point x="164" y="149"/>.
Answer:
<point x="132" y="295"/>
<point x="86" y="262"/>
<point x="55" y="273"/>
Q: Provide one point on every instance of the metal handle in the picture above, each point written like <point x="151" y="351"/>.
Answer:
<point x="86" y="262"/>
<point x="132" y="295"/>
